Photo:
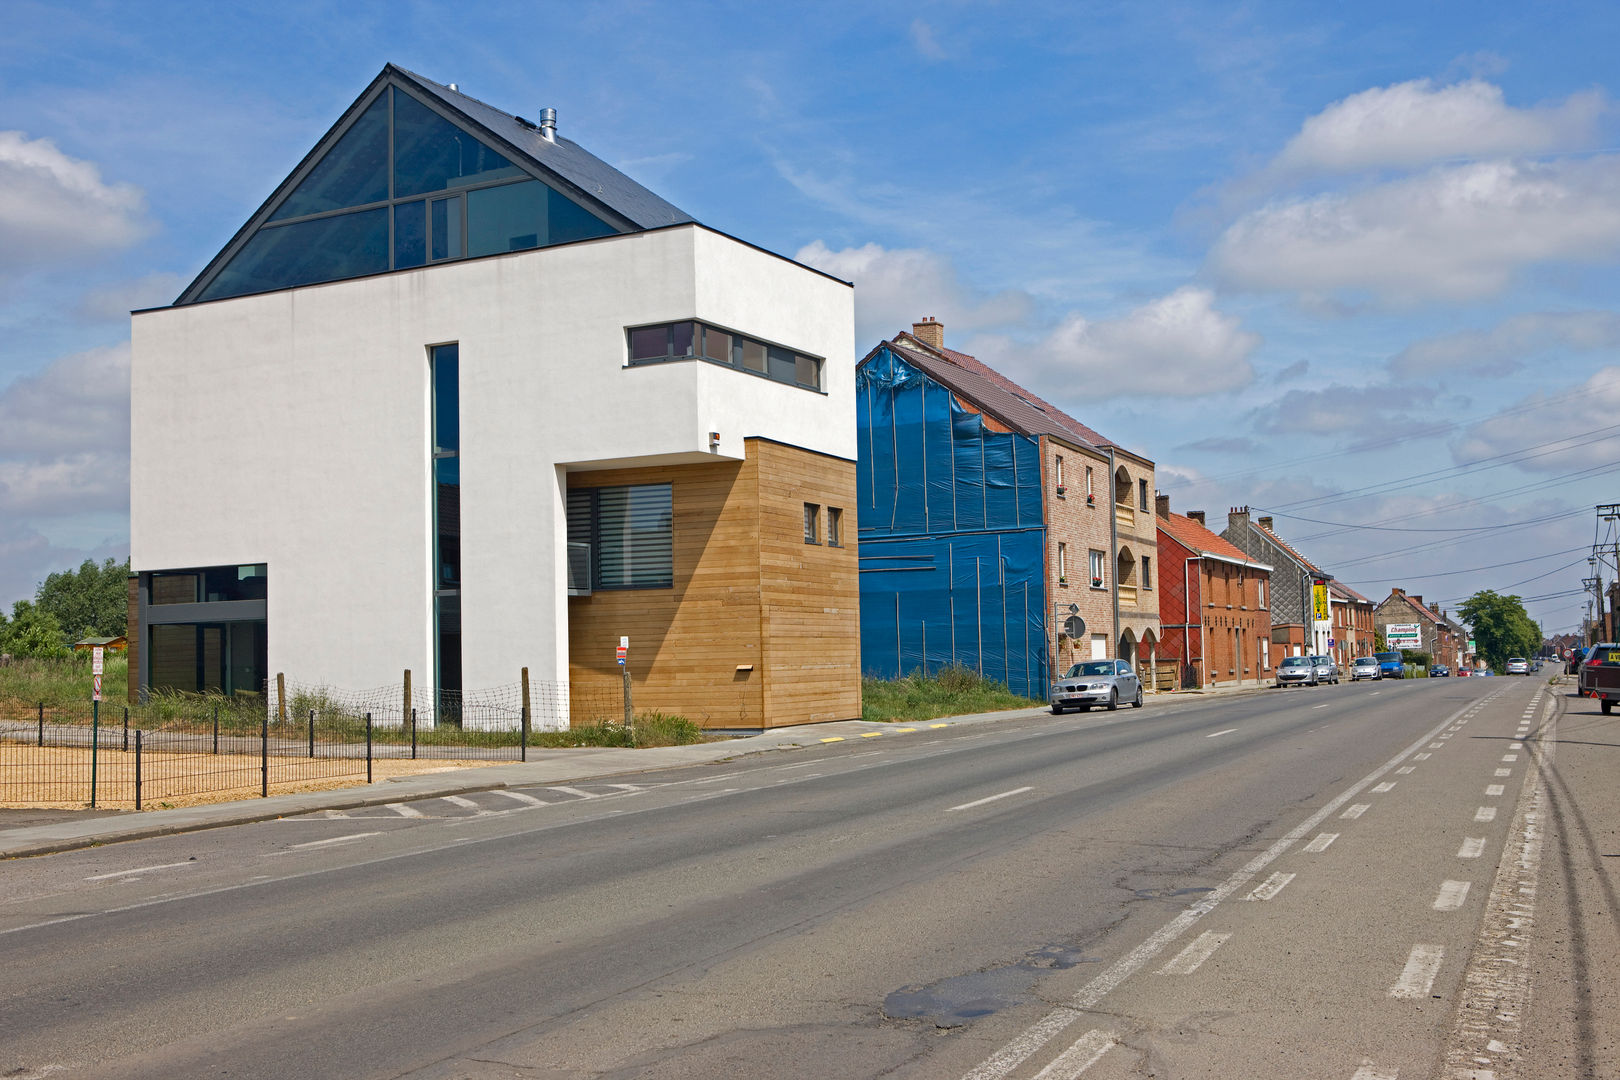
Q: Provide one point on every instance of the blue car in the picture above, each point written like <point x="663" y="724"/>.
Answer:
<point x="1390" y="665"/>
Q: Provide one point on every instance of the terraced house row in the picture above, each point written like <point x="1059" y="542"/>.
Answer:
<point x="461" y="399"/>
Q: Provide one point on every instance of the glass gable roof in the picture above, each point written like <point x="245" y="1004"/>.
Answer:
<point x="446" y="194"/>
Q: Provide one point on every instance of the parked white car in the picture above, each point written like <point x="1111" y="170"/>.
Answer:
<point x="1365" y="667"/>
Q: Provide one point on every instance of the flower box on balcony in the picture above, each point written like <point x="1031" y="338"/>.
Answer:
<point x="1091" y="500"/>
<point x="1060" y="490"/>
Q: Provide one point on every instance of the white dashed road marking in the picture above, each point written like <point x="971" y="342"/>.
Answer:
<point x="1271" y="887"/>
<point x="1228" y="731"/>
<point x="1472" y="847"/>
<point x="992" y="798"/>
<point x="1322" y="842"/>
<point x="1188" y="960"/>
<point x="336" y="840"/>
<point x="458" y="800"/>
<point x="405" y="811"/>
<point x="1372" y="1072"/>
<point x="1417" y="978"/>
<point x="1485" y="813"/>
<point x="1452" y="895"/>
<point x="518" y="796"/>
<point x="580" y="793"/>
<point x="138" y="870"/>
<point x="1494" y="789"/>
<point x="1356" y="810"/>
<point x="1504" y="772"/>
<point x="1387" y="785"/>
<point x="1086" y="1052"/>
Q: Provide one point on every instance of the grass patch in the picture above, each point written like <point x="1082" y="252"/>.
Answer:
<point x="951" y="691"/>
<point x="60" y="683"/>
<point x="651" y="729"/>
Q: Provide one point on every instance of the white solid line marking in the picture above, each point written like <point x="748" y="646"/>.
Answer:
<point x="992" y="798"/>
<point x="1417" y="978"/>
<point x="137" y="870"/>
<point x="1373" y="1072"/>
<point x="1271" y="887"/>
<point x="1228" y="731"/>
<point x="1472" y="847"/>
<point x="519" y="796"/>
<point x="1087" y="1050"/>
<point x="405" y="811"/>
<point x="1510" y="758"/>
<point x="1315" y="707"/>
<point x="1494" y="789"/>
<point x="1188" y="960"/>
<point x="1375" y="693"/>
<point x="1504" y="772"/>
<point x="1451" y="897"/>
<point x="1322" y="842"/>
<point x="579" y="794"/>
<point x="1485" y="813"/>
<point x="1356" y="810"/>
<point x="1387" y="785"/>
<point x="1420" y="757"/>
<point x="337" y="839"/>
<point x="1406" y="770"/>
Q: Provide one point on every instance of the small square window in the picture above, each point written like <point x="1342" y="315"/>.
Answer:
<point x="812" y="523"/>
<point x="835" y="527"/>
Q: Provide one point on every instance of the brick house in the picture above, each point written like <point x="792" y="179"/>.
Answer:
<point x="1213" y="599"/>
<point x="997" y="531"/>
<point x="1353" y="625"/>
<point x="1445" y="641"/>
<point x="1294" y="627"/>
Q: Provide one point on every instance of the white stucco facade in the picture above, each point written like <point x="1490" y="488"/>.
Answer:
<point x="292" y="429"/>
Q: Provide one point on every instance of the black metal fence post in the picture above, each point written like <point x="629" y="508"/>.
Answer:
<point x="312" y="733"/>
<point x="413" y="734"/>
<point x="524" y="754"/>
<point x="368" y="748"/>
<point x="216" y="729"/>
<point x="42" y="723"/>
<point x="126" y="729"/>
<point x="264" y="757"/>
<point x="137" y="770"/>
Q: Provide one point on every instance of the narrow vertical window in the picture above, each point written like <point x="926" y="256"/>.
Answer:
<point x="1063" y="560"/>
<point x="1088" y="480"/>
<point x="1097" y="569"/>
<point x="445" y="379"/>
<point x="812" y="523"/>
<point x="1057" y="472"/>
<point x="1141" y="487"/>
<point x="1147" y="571"/>
<point x="835" y="527"/>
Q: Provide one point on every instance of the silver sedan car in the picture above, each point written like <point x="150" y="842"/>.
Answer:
<point x="1326" y="669"/>
<point x="1097" y="682"/>
<point x="1365" y="667"/>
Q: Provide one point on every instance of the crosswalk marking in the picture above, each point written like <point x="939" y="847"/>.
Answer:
<point x="518" y="796"/>
<point x="405" y="811"/>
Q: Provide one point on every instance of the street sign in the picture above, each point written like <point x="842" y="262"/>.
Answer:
<point x="1332" y="643"/>
<point x="96" y="694"/>
<point x="1319" y="602"/>
<point x="623" y="650"/>
<point x="96" y="659"/>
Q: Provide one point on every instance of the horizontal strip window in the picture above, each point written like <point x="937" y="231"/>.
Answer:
<point x="207" y="584"/>
<point x="692" y="340"/>
<point x="629" y="532"/>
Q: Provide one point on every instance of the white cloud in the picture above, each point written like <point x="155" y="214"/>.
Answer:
<point x="1416" y="123"/>
<point x="1176" y="345"/>
<point x="78" y="403"/>
<point x="65" y="485"/>
<point x="55" y="208"/>
<point x="1369" y="413"/>
<point x="922" y="36"/>
<point x="114" y="302"/>
<point x="1504" y="347"/>
<point x="896" y="287"/>
<point x="1594" y="407"/>
<point x="1458" y="232"/>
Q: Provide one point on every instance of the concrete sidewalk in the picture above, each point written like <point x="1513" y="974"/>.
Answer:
<point x="543" y="767"/>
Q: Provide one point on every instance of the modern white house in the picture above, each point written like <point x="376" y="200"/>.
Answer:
<point x="451" y="348"/>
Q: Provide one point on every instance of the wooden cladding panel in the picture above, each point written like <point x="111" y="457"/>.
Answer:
<point x="747" y="591"/>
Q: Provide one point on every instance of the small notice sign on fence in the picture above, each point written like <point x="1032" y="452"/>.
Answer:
<point x="97" y="656"/>
<point x="95" y="687"/>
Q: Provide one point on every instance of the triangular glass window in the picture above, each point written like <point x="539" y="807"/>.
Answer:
<point x="353" y="173"/>
<point x="432" y="154"/>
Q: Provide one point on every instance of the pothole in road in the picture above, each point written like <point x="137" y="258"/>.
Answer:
<point x="960" y="999"/>
<point x="1171" y="894"/>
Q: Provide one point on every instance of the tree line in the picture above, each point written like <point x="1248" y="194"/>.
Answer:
<point x="92" y="601"/>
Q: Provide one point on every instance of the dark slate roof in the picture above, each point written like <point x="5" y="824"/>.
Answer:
<point x="998" y="395"/>
<point x="566" y="158"/>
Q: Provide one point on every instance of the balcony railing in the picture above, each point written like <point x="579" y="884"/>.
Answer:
<point x="1127" y="594"/>
<point x="1125" y="515"/>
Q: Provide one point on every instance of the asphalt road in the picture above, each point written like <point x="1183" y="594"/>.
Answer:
<point x="1338" y="882"/>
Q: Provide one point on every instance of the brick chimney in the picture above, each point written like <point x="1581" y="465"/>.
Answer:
<point x="930" y="332"/>
<point x="1196" y="515"/>
<point x="1418" y="600"/>
<point x="1238" y="518"/>
<point x="1265" y="523"/>
<point x="1161" y="505"/>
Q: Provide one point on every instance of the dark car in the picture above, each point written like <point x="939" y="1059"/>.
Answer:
<point x="1439" y="671"/>
<point x="1390" y="665"/>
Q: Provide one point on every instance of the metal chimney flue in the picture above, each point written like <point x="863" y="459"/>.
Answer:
<point x="548" y="124"/>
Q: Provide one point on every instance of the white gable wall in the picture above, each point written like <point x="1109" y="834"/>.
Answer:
<point x="291" y="428"/>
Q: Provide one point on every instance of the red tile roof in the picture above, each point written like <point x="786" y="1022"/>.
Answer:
<point x="1197" y="537"/>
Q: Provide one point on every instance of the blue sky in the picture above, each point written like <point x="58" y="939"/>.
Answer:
<point x="1356" y="266"/>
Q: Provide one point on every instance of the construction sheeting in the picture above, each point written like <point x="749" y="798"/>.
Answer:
<point x="951" y="537"/>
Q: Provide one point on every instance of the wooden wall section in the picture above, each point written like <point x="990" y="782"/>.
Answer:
<point x="759" y="629"/>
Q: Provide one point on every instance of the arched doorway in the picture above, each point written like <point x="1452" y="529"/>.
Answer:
<point x="1127" y="647"/>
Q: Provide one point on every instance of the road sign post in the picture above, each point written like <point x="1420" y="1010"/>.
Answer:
<point x="622" y="654"/>
<point x="95" y="715"/>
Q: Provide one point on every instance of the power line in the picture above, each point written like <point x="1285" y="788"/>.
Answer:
<point x="1475" y="569"/>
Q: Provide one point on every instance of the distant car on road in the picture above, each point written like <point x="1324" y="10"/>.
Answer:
<point x="1518" y="665"/>
<point x="1391" y="665"/>
<point x="1365" y="667"/>
<point x="1463" y="672"/>
<point x="1326" y="669"/>
<point x="1439" y="671"/>
<point x="1296" y="671"/>
<point x="1097" y="682"/>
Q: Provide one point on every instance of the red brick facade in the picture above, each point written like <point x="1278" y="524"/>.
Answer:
<point x="1213" y="606"/>
<point x="1076" y="526"/>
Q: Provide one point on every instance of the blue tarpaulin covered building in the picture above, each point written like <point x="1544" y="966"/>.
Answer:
<point x="952" y="537"/>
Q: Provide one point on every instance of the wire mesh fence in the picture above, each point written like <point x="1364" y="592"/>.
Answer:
<point x="180" y="747"/>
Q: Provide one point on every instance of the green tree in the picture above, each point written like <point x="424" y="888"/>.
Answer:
<point x="1501" y="627"/>
<point x="92" y="601"/>
<point x="32" y="631"/>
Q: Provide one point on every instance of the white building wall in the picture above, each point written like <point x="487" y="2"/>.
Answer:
<point x="292" y="429"/>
